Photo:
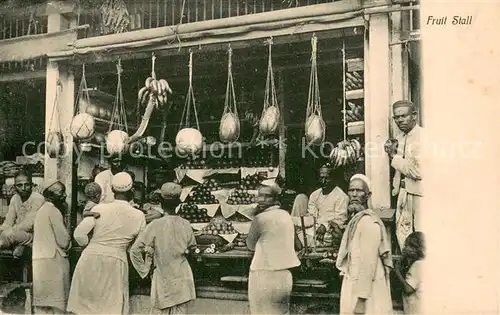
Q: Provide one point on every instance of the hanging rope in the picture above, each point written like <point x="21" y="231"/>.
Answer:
<point x="230" y="101"/>
<point x="314" y="101"/>
<point x="270" y="87"/>
<point x="119" y="117"/>
<point x="55" y="129"/>
<point x="190" y="100"/>
<point x="344" y="89"/>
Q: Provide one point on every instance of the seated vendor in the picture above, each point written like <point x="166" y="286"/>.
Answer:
<point x="17" y="229"/>
<point x="329" y="205"/>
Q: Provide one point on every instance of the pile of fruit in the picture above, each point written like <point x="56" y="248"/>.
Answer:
<point x="202" y="194"/>
<point x="9" y="168"/>
<point x="346" y="152"/>
<point x="193" y="214"/>
<point x="226" y="162"/>
<point x="354" y="113"/>
<point x="251" y="182"/>
<point x="259" y="157"/>
<point x="240" y="197"/>
<point x="194" y="163"/>
<point x="241" y="240"/>
<point x="217" y="226"/>
<point x="353" y="81"/>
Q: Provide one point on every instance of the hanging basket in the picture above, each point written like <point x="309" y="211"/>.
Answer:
<point x="189" y="140"/>
<point x="270" y="117"/>
<point x="116" y="142"/>
<point x="83" y="124"/>
<point x="54" y="146"/>
<point x="229" y="129"/>
<point x="315" y="127"/>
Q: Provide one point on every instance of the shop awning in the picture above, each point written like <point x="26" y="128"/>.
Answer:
<point x="323" y="17"/>
<point x="35" y="46"/>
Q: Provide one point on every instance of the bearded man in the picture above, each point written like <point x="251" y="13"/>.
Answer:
<point x="404" y="154"/>
<point x="364" y="257"/>
<point x="51" y="273"/>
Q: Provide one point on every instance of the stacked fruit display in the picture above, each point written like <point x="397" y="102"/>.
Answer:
<point x="194" y="163"/>
<point x="226" y="162"/>
<point x="219" y="225"/>
<point x="202" y="194"/>
<point x="251" y="182"/>
<point x="240" y="197"/>
<point x="258" y="158"/>
<point x="353" y="80"/>
<point x="346" y="152"/>
<point x="355" y="112"/>
<point x="193" y="214"/>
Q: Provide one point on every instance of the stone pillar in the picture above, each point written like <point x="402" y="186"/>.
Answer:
<point x="399" y="68"/>
<point x="377" y="107"/>
<point x="60" y="73"/>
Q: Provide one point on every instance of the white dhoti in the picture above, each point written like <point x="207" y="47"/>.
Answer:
<point x="408" y="218"/>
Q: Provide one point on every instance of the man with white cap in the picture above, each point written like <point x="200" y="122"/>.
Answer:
<point x="404" y="154"/>
<point x="100" y="280"/>
<point x="164" y="243"/>
<point x="105" y="177"/>
<point x="364" y="257"/>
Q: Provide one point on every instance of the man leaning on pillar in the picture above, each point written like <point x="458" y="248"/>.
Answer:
<point x="404" y="154"/>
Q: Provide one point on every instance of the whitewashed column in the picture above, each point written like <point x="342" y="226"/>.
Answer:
<point x="62" y="167"/>
<point x="377" y="107"/>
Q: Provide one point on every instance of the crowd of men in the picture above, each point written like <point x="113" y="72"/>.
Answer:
<point x="112" y="228"/>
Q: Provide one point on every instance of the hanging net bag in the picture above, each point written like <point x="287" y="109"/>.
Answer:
<point x="117" y="139"/>
<point x="229" y="129"/>
<point x="189" y="139"/>
<point x="270" y="117"/>
<point x="83" y="124"/>
<point x="315" y="125"/>
<point x="54" y="146"/>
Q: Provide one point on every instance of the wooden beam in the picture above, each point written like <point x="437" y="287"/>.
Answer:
<point x="23" y="76"/>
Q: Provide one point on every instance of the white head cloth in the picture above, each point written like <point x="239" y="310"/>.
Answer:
<point x="364" y="178"/>
<point x="122" y="182"/>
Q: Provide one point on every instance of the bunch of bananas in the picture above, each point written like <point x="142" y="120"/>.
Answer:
<point x="354" y="113"/>
<point x="154" y="89"/>
<point x="353" y="81"/>
<point x="346" y="152"/>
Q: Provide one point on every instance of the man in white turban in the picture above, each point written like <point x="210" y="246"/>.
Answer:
<point x="364" y="257"/>
<point x="404" y="154"/>
<point x="100" y="281"/>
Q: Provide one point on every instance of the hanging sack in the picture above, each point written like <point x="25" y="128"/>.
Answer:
<point x="315" y="125"/>
<point x="117" y="139"/>
<point x="54" y="146"/>
<point x="270" y="117"/>
<point x="189" y="139"/>
<point x="83" y="124"/>
<point x="229" y="129"/>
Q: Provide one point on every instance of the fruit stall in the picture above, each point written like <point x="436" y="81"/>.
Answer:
<point x="222" y="105"/>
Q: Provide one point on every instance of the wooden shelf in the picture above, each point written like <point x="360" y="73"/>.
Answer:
<point x="355" y="64"/>
<point x="354" y="95"/>
<point x="356" y="128"/>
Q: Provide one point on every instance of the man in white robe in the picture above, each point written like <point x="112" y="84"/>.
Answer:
<point x="364" y="257"/>
<point x="100" y="282"/>
<point x="105" y="177"/>
<point x="329" y="205"/>
<point x="405" y="159"/>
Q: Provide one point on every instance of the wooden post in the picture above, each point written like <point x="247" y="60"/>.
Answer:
<point x="282" y="125"/>
<point x="399" y="72"/>
<point x="377" y="108"/>
<point x="59" y="73"/>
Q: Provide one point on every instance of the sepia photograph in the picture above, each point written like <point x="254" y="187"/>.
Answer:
<point x="212" y="156"/>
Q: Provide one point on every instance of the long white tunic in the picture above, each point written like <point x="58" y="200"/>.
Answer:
<point x="365" y="273"/>
<point x="100" y="280"/>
